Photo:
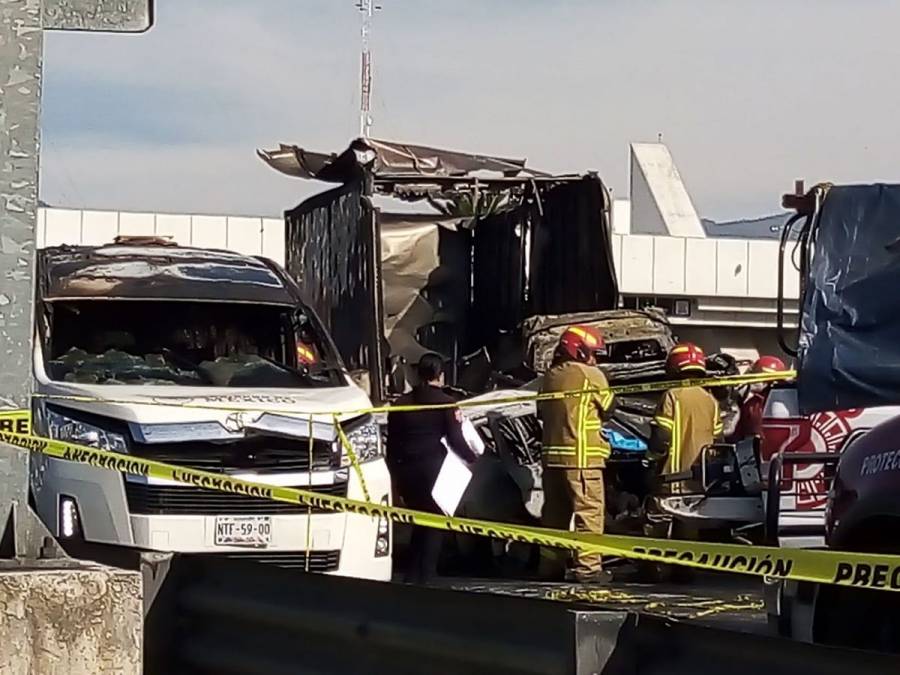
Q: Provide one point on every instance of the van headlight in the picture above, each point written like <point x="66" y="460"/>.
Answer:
<point x="366" y="441"/>
<point x="62" y="428"/>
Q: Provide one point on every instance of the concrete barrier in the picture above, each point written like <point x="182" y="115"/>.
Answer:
<point x="223" y="617"/>
<point x="227" y="617"/>
<point x="70" y="618"/>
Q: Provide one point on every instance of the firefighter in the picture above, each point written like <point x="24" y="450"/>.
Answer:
<point x="687" y="418"/>
<point x="574" y="452"/>
<point x="754" y="400"/>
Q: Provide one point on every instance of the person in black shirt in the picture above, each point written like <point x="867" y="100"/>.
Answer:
<point x="415" y="453"/>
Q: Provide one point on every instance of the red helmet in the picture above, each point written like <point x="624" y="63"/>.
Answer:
<point x="768" y="364"/>
<point x="686" y="358"/>
<point x="580" y="342"/>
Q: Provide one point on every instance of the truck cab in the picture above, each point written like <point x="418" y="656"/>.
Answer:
<point x="206" y="359"/>
<point x="832" y="437"/>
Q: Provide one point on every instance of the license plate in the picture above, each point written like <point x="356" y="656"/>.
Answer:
<point x="251" y="531"/>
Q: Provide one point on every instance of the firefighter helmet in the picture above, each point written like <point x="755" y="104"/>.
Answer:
<point x="686" y="358"/>
<point x="581" y="342"/>
<point x="768" y="364"/>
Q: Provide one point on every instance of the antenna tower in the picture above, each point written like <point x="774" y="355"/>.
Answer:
<point x="367" y="8"/>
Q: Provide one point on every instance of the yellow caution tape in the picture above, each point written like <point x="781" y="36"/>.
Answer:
<point x="228" y="403"/>
<point x="15" y="421"/>
<point x="859" y="570"/>
<point x="726" y="381"/>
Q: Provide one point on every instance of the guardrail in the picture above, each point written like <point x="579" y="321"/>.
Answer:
<point x="214" y="615"/>
<point x="224" y="616"/>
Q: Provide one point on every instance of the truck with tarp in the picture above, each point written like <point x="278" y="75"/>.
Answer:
<point x="832" y="436"/>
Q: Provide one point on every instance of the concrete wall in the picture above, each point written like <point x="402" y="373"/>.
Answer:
<point x="645" y="264"/>
<point x="731" y="282"/>
<point x="620" y="216"/>
<point x="687" y="266"/>
<point x="79" y="620"/>
<point x="253" y="236"/>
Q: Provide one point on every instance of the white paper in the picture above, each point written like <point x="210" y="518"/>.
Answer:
<point x="473" y="438"/>
<point x="451" y="483"/>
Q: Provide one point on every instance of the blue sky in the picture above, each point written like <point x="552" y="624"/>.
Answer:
<point x="749" y="96"/>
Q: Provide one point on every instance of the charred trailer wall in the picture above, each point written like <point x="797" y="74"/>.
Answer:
<point x="401" y="284"/>
<point x="571" y="267"/>
<point x="551" y="255"/>
<point x="499" y="276"/>
<point x="332" y="253"/>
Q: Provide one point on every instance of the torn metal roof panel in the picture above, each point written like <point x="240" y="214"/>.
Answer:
<point x="388" y="160"/>
<point x="160" y="272"/>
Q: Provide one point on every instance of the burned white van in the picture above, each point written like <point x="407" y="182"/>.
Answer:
<point x="205" y="359"/>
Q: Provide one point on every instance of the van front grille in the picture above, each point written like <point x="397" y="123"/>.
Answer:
<point x="149" y="499"/>
<point x="271" y="454"/>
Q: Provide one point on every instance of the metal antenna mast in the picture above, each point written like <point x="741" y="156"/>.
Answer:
<point x="368" y="9"/>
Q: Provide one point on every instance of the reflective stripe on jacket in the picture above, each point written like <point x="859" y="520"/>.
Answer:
<point x="571" y="426"/>
<point x="691" y="418"/>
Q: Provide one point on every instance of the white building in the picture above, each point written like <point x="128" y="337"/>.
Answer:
<point x="252" y="236"/>
<point x="719" y="292"/>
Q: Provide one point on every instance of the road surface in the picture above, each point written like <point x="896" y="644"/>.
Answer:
<point x="731" y="602"/>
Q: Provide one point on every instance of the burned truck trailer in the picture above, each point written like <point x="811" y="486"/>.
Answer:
<point x="494" y="244"/>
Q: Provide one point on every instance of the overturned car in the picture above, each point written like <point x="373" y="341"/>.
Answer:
<point x="506" y="485"/>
